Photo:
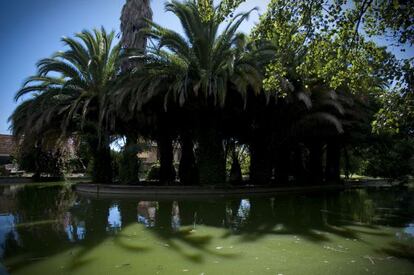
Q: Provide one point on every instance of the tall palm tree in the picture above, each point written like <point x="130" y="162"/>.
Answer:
<point x="196" y="71"/>
<point x="134" y="18"/>
<point x="80" y="80"/>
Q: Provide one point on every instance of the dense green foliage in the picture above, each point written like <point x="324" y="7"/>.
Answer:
<point x="306" y="91"/>
<point x="153" y="172"/>
<point x="42" y="162"/>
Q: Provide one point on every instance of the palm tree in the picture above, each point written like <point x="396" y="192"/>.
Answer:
<point x="196" y="71"/>
<point x="34" y="116"/>
<point x="135" y="15"/>
<point x="34" y="127"/>
<point x="320" y="127"/>
<point x="80" y="80"/>
<point x="279" y="130"/>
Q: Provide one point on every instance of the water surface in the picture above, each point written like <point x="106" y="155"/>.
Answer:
<point x="49" y="229"/>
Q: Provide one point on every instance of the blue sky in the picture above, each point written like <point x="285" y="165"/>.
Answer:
<point x="31" y="30"/>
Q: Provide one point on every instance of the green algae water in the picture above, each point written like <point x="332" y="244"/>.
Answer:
<point x="53" y="230"/>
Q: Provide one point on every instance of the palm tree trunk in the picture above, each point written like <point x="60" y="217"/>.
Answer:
<point x="347" y="168"/>
<point x="299" y="164"/>
<point x="235" y="171"/>
<point x="134" y="14"/>
<point x="187" y="169"/>
<point x="315" y="163"/>
<point x="235" y="175"/>
<point x="102" y="168"/>
<point x="333" y="162"/>
<point x="260" y="163"/>
<point x="282" y="166"/>
<point x="211" y="162"/>
<point x="165" y="147"/>
<point x="102" y="161"/>
<point x="129" y="167"/>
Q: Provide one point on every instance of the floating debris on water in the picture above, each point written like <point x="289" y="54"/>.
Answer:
<point x="123" y="265"/>
<point x="370" y="259"/>
<point x="334" y="249"/>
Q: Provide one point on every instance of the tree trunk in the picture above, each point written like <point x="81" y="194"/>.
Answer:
<point x="260" y="163"/>
<point x="282" y="166"/>
<point x="315" y="163"/>
<point x="133" y="20"/>
<point x="102" y="161"/>
<point x="333" y="162"/>
<point x="235" y="170"/>
<point x="102" y="166"/>
<point x="165" y="147"/>
<point x="129" y="166"/>
<point x="299" y="162"/>
<point x="211" y="162"/>
<point x="347" y="168"/>
<point x="188" y="168"/>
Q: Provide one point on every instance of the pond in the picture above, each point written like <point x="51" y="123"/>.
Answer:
<point x="50" y="229"/>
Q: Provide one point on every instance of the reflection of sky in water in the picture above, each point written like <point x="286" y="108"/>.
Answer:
<point x="407" y="233"/>
<point x="7" y="230"/>
<point x="409" y="229"/>
<point x="175" y="217"/>
<point x="69" y="232"/>
<point x="80" y="231"/>
<point x="238" y="219"/>
<point x="114" y="217"/>
<point x="145" y="221"/>
<point x="244" y="210"/>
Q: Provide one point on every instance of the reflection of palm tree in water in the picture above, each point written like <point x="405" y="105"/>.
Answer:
<point x="175" y="216"/>
<point x="75" y="229"/>
<point x="147" y="212"/>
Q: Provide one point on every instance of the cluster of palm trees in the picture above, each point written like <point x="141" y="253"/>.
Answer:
<point x="201" y="88"/>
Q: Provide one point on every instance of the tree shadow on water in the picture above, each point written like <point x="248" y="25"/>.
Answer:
<point x="399" y="250"/>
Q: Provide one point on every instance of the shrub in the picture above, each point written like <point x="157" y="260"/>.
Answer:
<point x="154" y="172"/>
